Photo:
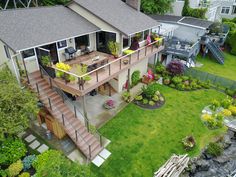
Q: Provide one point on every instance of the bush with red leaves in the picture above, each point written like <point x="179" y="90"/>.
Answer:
<point x="175" y="67"/>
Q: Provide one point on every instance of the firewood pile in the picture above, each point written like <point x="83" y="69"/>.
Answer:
<point x="173" y="167"/>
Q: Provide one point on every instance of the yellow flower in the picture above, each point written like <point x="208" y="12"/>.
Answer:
<point x="207" y="117"/>
<point x="233" y="110"/>
<point x="63" y="66"/>
<point x="226" y="112"/>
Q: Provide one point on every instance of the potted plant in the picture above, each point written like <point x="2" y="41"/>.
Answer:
<point x="189" y="142"/>
<point x="61" y="74"/>
<point x="46" y="60"/>
<point x="114" y="48"/>
<point x="109" y="104"/>
<point x="125" y="61"/>
<point x="82" y="70"/>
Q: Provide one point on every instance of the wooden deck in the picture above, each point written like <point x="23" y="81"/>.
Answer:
<point x="108" y="71"/>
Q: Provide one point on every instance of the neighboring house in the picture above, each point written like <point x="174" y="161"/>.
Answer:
<point x="183" y="42"/>
<point x="64" y="32"/>
<point x="228" y="9"/>
<point x="213" y="6"/>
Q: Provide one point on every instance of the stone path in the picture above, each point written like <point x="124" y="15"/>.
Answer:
<point x="34" y="143"/>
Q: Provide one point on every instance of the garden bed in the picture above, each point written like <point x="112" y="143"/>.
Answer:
<point x="157" y="104"/>
<point x="150" y="98"/>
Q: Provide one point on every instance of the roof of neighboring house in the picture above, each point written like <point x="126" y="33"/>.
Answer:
<point x="119" y="15"/>
<point x="196" y="22"/>
<point x="25" y="28"/>
<point x="190" y="21"/>
<point x="166" y="18"/>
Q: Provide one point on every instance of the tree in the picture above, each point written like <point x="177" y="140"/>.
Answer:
<point x="156" y="6"/>
<point x="185" y="11"/>
<point x="16" y="105"/>
<point x="53" y="163"/>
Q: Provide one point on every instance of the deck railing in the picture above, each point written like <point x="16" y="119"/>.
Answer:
<point x="66" y="99"/>
<point x="159" y="43"/>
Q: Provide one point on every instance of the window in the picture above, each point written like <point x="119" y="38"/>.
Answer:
<point x="61" y="44"/>
<point x="7" y="51"/>
<point x="125" y="42"/>
<point x="234" y="10"/>
<point x="28" y="53"/>
<point x="146" y="33"/>
<point x="82" y="41"/>
<point x="225" y="10"/>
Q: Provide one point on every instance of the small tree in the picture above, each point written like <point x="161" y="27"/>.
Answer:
<point x="185" y="11"/>
<point x="16" y="105"/>
<point x="156" y="6"/>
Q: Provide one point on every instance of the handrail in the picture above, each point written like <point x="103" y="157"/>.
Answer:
<point x="122" y="57"/>
<point x="63" y="95"/>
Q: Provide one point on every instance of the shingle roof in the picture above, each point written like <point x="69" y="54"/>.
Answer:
<point x="183" y="20"/>
<point x="119" y="15"/>
<point x="166" y="18"/>
<point x="25" y="28"/>
<point x="196" y="22"/>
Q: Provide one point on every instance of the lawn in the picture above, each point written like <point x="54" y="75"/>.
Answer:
<point x="210" y="65"/>
<point x="142" y="140"/>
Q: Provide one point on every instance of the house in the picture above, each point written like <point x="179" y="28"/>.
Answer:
<point x="213" y="8"/>
<point x="228" y="9"/>
<point x="77" y="35"/>
<point x="187" y="38"/>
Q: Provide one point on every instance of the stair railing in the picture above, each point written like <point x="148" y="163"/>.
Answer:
<point x="66" y="98"/>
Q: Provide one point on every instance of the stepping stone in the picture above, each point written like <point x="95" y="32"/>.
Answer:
<point x="20" y="135"/>
<point x="76" y="156"/>
<point x="34" y="145"/>
<point x="98" y="161"/>
<point x="30" y="138"/>
<point x="105" y="154"/>
<point x="42" y="148"/>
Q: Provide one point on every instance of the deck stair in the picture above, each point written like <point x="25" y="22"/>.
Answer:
<point x="216" y="51"/>
<point x="89" y="143"/>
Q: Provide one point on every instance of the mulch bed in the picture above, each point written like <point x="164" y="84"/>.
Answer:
<point x="157" y="105"/>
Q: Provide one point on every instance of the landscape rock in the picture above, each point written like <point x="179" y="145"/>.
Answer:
<point x="202" y="165"/>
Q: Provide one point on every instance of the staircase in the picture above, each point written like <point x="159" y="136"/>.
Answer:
<point x="87" y="142"/>
<point x="216" y="51"/>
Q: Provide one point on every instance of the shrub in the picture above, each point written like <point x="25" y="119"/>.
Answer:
<point x="177" y="80"/>
<point x="233" y="110"/>
<point x="24" y="174"/>
<point x="225" y="103"/>
<point x="114" y="48"/>
<point x="210" y="120"/>
<point x="27" y="161"/>
<point x="150" y="90"/>
<point x="226" y="112"/>
<point x="185" y="78"/>
<point x="166" y="80"/>
<point x="151" y="103"/>
<point x="126" y="96"/>
<point x="145" y="101"/>
<point x="155" y="98"/>
<point x="160" y="69"/>
<point x="135" y="78"/>
<point x="138" y="98"/>
<point x="175" y="67"/>
<point x="11" y="150"/>
<point x="230" y="92"/>
<point x="15" y="168"/>
<point x="214" y="105"/>
<point x="214" y="149"/>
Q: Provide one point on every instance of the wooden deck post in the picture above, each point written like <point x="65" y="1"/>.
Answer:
<point x="128" y="84"/>
<point x="109" y="89"/>
<point x="85" y="113"/>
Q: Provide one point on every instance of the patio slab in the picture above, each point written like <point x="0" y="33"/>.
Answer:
<point x="105" y="154"/>
<point x="76" y="156"/>
<point x="30" y="138"/>
<point x="20" y="135"/>
<point x="42" y="148"/>
<point x="98" y="161"/>
<point x="35" y="144"/>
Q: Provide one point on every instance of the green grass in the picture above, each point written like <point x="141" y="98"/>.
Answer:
<point x="142" y="140"/>
<point x="210" y="65"/>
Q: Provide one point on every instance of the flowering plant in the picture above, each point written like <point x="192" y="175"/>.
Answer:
<point x="109" y="104"/>
<point x="63" y="66"/>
